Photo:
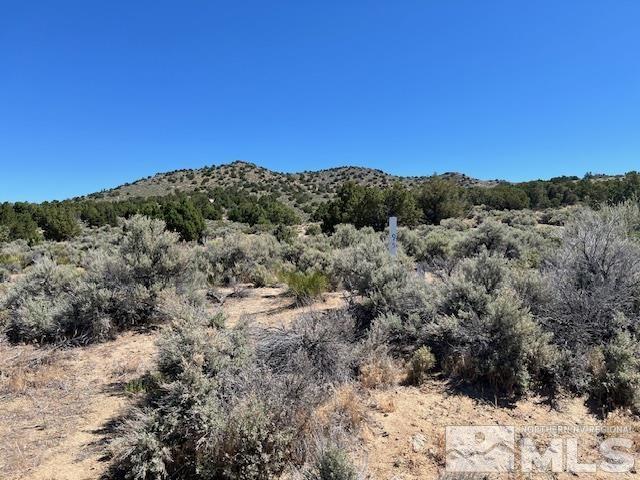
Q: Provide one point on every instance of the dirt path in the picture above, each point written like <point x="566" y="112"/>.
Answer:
<point x="52" y="424"/>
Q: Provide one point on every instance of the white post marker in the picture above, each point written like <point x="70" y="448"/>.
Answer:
<point x="393" y="236"/>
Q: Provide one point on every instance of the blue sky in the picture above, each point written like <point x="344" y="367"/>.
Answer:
<point x="94" y="94"/>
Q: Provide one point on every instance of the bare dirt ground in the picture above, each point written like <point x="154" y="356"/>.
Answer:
<point x="405" y="435"/>
<point x="55" y="405"/>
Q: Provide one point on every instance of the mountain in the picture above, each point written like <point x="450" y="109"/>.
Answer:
<point x="294" y="188"/>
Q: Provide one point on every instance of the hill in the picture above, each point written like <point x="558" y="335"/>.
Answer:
<point x="294" y="188"/>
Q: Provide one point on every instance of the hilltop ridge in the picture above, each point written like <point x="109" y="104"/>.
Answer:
<point x="257" y="179"/>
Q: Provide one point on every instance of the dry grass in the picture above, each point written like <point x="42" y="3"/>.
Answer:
<point x="377" y="372"/>
<point x="385" y="404"/>
<point x="53" y="404"/>
<point x="623" y="419"/>
<point x="38" y="400"/>
<point x="346" y="408"/>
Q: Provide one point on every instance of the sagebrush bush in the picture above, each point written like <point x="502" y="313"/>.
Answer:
<point x="593" y="281"/>
<point x="223" y="410"/>
<point x="388" y="284"/>
<point x="501" y="345"/>
<point x="114" y="292"/>
<point x="207" y="419"/>
<point x="37" y="305"/>
<point x="318" y="346"/>
<point x="347" y="235"/>
<point x="615" y="371"/>
<point x="313" y="229"/>
<point x="15" y="256"/>
<point x="241" y="258"/>
<point x="594" y="275"/>
<point x="471" y="285"/>
<point x="492" y="236"/>
<point x="434" y="246"/>
<point x="312" y="254"/>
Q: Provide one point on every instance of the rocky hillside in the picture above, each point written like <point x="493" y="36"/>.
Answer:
<point x="295" y="188"/>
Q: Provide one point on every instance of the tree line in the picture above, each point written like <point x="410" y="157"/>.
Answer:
<point x="437" y="199"/>
<point x="182" y="213"/>
<point x="434" y="200"/>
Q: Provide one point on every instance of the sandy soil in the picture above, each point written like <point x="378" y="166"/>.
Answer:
<point x="53" y="414"/>
<point x="405" y="439"/>
<point x="56" y="405"/>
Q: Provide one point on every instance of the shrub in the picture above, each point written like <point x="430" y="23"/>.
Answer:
<point x="332" y="464"/>
<point x="492" y="236"/>
<point x="38" y="303"/>
<point x="224" y="411"/>
<point x="305" y="287"/>
<point x="531" y="288"/>
<point x="439" y="199"/>
<point x="4" y="275"/>
<point x="427" y="245"/>
<point x="593" y="283"/>
<point x="183" y="217"/>
<point x="284" y="234"/>
<point x="342" y="414"/>
<point x="243" y="258"/>
<point x="117" y="292"/>
<point x="364" y="206"/>
<point x="502" y="346"/>
<point x="346" y="235"/>
<point x="317" y="346"/>
<point x="313" y="229"/>
<point x="421" y="363"/>
<point x="59" y="223"/>
<point x="387" y="284"/>
<point x="149" y="260"/>
<point x="312" y="255"/>
<point x="472" y="283"/>
<point x="206" y="421"/>
<point x="377" y="371"/>
<point x="615" y="371"/>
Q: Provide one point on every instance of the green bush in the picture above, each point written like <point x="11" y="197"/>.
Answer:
<point x="183" y="217"/>
<point x="313" y="229"/>
<point x="421" y="363"/>
<point x="440" y="199"/>
<point x="59" y="223"/>
<point x="305" y="287"/>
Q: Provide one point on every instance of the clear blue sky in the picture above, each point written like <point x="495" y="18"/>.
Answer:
<point x="97" y="93"/>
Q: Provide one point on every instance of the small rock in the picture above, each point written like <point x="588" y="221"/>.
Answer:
<point x="417" y="442"/>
